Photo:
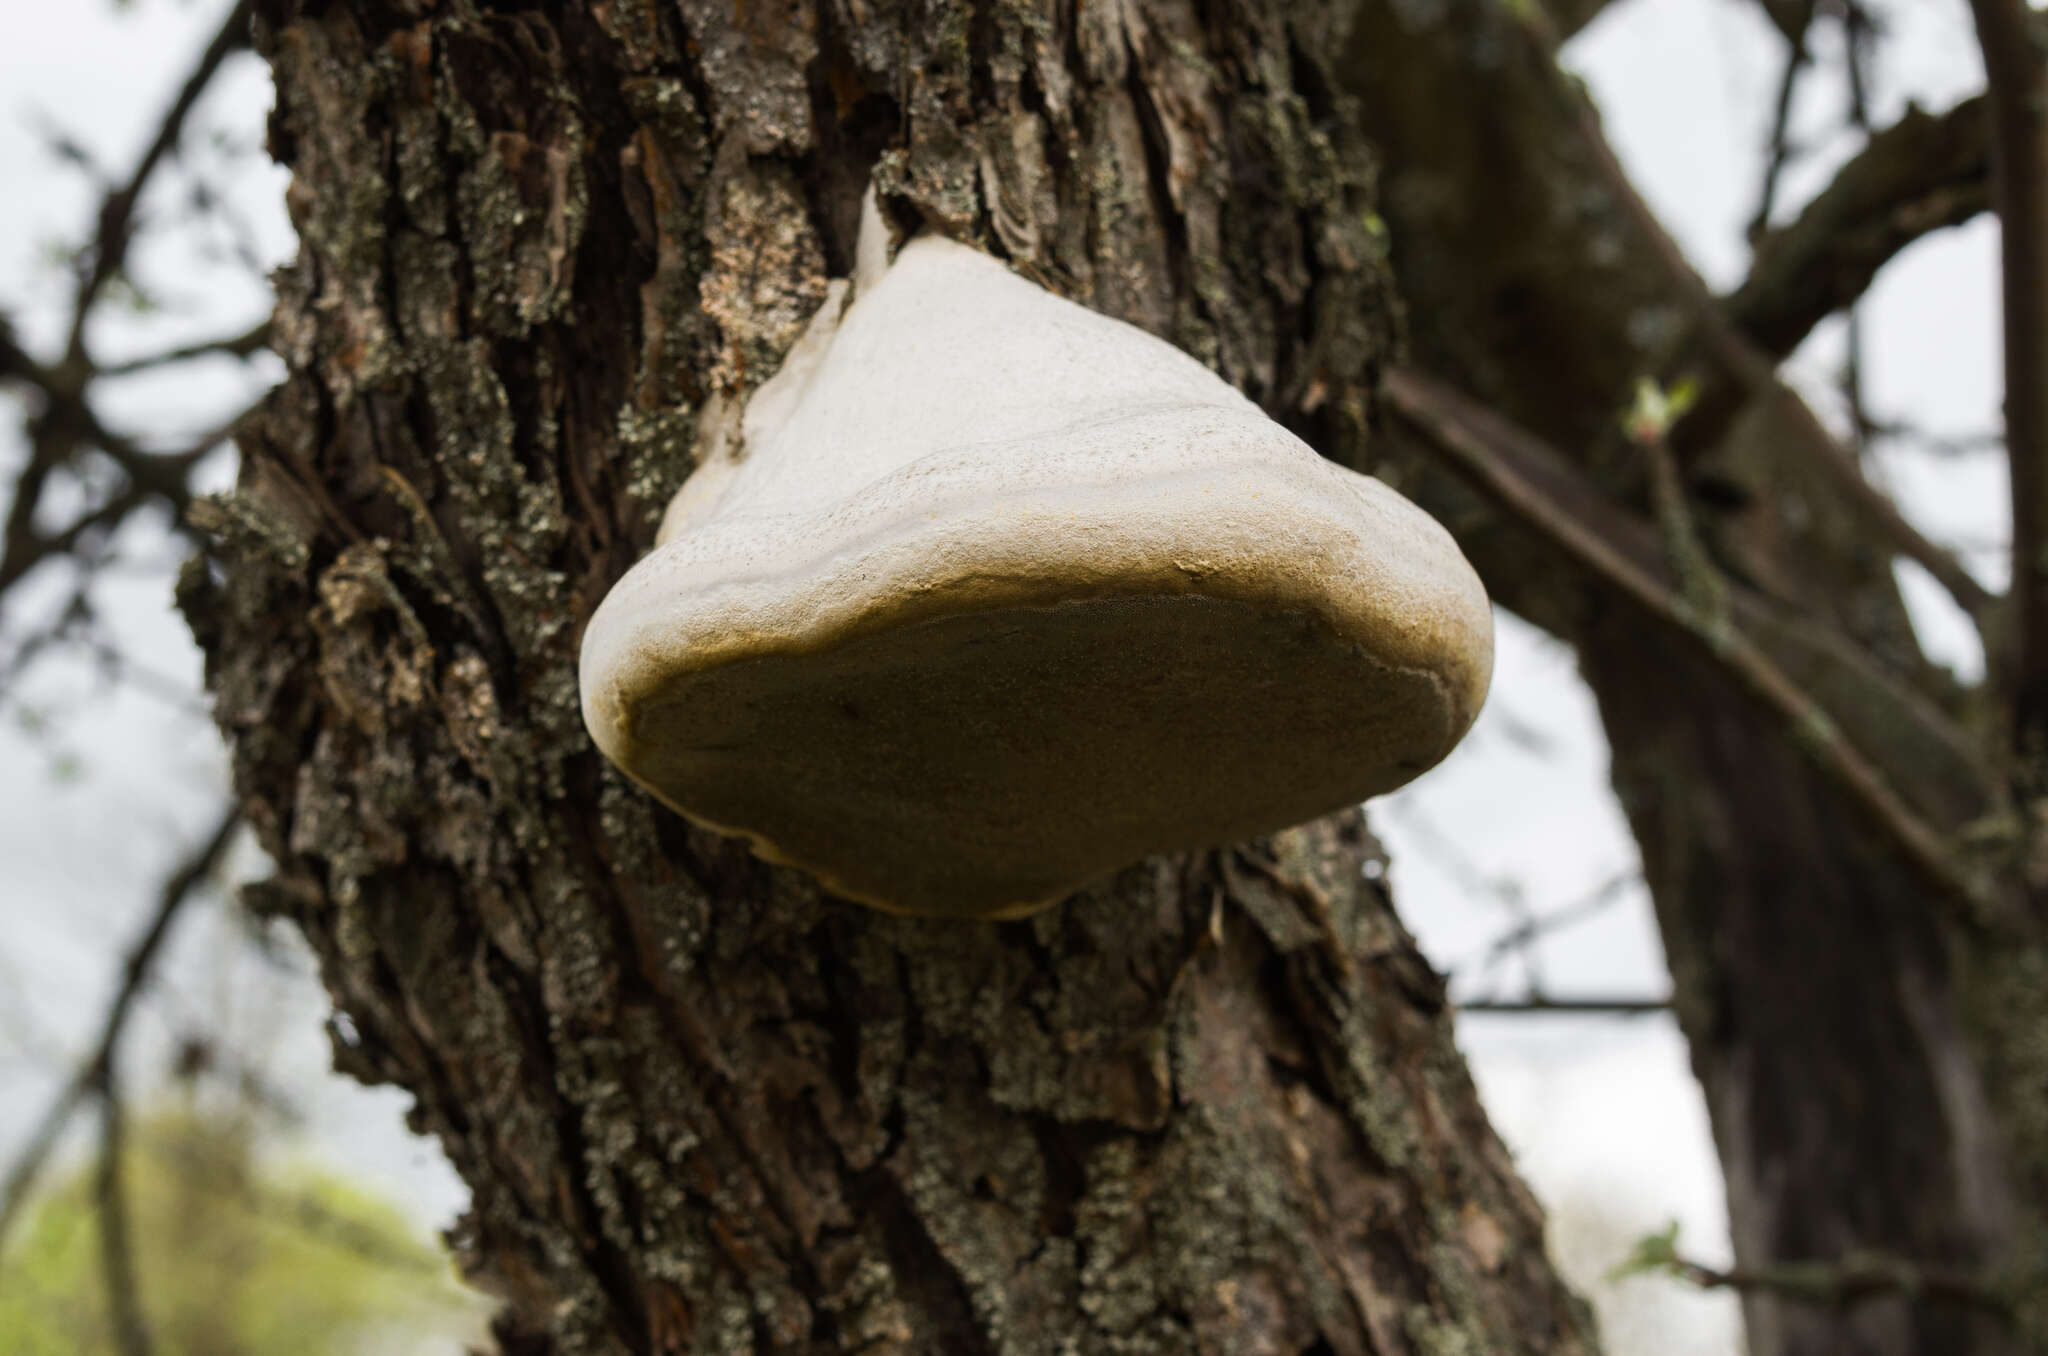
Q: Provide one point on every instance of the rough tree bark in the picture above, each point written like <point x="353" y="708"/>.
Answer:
<point x="1210" y="1105"/>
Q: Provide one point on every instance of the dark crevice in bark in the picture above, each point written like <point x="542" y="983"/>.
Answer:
<point x="855" y="125"/>
<point x="932" y="1288"/>
<point x="1159" y="163"/>
<point x="703" y="1108"/>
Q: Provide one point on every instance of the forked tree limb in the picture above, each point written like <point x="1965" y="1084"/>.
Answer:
<point x="91" y="1077"/>
<point x="1925" y="172"/>
<point x="117" y="211"/>
<point x="1754" y="372"/>
<point x="1469" y="434"/>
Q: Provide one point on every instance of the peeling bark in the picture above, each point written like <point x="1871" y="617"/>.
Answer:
<point x="1210" y="1105"/>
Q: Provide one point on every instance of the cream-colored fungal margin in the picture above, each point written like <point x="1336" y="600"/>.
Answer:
<point x="996" y="595"/>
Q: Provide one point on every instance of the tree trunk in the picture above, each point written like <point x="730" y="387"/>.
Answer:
<point x="1854" y="1100"/>
<point x="1209" y="1105"/>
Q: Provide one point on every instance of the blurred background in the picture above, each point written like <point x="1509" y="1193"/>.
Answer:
<point x="287" y="1209"/>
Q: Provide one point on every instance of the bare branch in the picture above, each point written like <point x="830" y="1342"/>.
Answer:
<point x="251" y="341"/>
<point x="110" y="1201"/>
<point x="1796" y="61"/>
<point x="92" y="1074"/>
<point x="1839" y="1285"/>
<point x="25" y="548"/>
<point x="66" y="423"/>
<point x="159" y="476"/>
<point x="1858" y="32"/>
<point x="1921" y="746"/>
<point x="1948" y="446"/>
<point x="1537" y="926"/>
<point x="1754" y="373"/>
<point x="1879" y="510"/>
<point x="1468" y="435"/>
<point x="1567" y="1007"/>
<point x="117" y="213"/>
<point x="1923" y="173"/>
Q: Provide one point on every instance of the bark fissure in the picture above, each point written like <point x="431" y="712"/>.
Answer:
<point x="547" y="252"/>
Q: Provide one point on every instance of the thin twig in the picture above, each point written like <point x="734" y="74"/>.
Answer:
<point x="1853" y="386"/>
<point x="1856" y="30"/>
<point x="1581" y="1007"/>
<point x="1701" y="586"/>
<point x="178" y="888"/>
<point x="1781" y="122"/>
<point x="1538" y="926"/>
<point x="1947" y="446"/>
<point x="1467" y="434"/>
<point x="250" y="341"/>
<point x="66" y="422"/>
<point x="1838" y="1285"/>
<point x="1856" y="36"/>
<point x="117" y="212"/>
<point x="1845" y="471"/>
<point x="163" y="476"/>
<point x="1444" y="852"/>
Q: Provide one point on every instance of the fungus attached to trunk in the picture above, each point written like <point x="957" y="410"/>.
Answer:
<point x="1003" y="595"/>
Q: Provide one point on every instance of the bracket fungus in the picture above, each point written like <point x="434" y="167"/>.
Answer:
<point x="1002" y="594"/>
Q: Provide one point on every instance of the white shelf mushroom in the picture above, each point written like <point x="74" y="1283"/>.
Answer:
<point x="1003" y="595"/>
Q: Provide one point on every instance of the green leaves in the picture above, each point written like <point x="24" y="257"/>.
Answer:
<point x="1652" y="1254"/>
<point x="236" y="1255"/>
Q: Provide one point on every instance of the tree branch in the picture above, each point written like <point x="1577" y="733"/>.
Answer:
<point x="1781" y="147"/>
<point x="253" y="340"/>
<point x="2017" y="84"/>
<point x="57" y="436"/>
<point x="1469" y="435"/>
<point x="1839" y="1285"/>
<point x="1922" y="749"/>
<point x="93" y="1073"/>
<point x="1755" y="374"/>
<point x="110" y="1200"/>
<point x="66" y="421"/>
<point x="1882" y="513"/>
<point x="117" y="211"/>
<point x="1923" y="173"/>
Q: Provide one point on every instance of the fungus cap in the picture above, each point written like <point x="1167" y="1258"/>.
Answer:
<point x="1004" y="595"/>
